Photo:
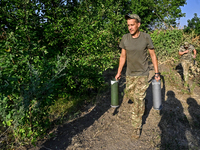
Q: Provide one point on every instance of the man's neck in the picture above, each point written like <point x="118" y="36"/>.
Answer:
<point x="136" y="35"/>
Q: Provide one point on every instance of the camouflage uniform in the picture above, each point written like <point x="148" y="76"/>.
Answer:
<point x="186" y="60"/>
<point x="137" y="71"/>
<point x="136" y="87"/>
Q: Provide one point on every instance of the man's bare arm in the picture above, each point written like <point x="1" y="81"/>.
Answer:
<point x="122" y="61"/>
<point x="195" y="53"/>
<point x="181" y="53"/>
<point x="155" y="63"/>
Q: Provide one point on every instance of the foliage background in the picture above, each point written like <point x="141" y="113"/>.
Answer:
<point x="53" y="53"/>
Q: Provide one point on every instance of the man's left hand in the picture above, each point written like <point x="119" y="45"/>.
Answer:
<point x="157" y="77"/>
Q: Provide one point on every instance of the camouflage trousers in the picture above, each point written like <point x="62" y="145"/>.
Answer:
<point x="136" y="87"/>
<point x="186" y="64"/>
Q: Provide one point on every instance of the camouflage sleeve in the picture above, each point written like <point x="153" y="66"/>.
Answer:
<point x="181" y="49"/>
<point x="192" y="47"/>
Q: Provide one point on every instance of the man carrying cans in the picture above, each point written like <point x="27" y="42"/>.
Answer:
<point x="134" y="47"/>
<point x="185" y="52"/>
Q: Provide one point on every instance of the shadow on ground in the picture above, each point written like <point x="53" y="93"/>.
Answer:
<point x="194" y="111"/>
<point x="173" y="124"/>
<point x="179" y="69"/>
<point x="105" y="128"/>
<point x="65" y="133"/>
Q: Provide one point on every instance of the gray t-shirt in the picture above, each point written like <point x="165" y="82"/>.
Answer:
<point x="136" y="52"/>
<point x="186" y="56"/>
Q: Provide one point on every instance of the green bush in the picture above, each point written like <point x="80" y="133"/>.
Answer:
<point x="41" y="61"/>
<point x="53" y="49"/>
<point x="167" y="42"/>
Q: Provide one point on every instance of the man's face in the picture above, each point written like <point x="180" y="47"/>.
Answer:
<point x="133" y="26"/>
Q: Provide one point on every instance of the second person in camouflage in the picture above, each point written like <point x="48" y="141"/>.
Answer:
<point x="185" y="52"/>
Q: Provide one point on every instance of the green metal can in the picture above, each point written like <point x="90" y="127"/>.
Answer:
<point x="114" y="93"/>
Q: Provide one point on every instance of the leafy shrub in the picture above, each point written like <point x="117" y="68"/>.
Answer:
<point x="28" y="87"/>
<point x="52" y="49"/>
<point x="167" y="42"/>
<point x="41" y="61"/>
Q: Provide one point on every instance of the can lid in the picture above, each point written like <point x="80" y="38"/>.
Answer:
<point x="114" y="106"/>
<point x="114" y="81"/>
<point x="155" y="82"/>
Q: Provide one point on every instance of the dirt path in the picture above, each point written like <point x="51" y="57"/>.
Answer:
<point x="101" y="127"/>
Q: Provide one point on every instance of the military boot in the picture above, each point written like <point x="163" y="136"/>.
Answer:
<point x="136" y="133"/>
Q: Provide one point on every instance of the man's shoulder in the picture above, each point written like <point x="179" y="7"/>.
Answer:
<point x="126" y="35"/>
<point x="191" y="46"/>
<point x="145" y="35"/>
<point x="182" y="49"/>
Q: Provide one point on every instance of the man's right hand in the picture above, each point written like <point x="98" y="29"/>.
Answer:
<point x="186" y="51"/>
<point x="118" y="76"/>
